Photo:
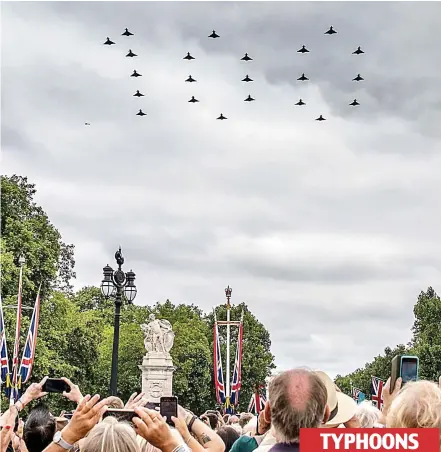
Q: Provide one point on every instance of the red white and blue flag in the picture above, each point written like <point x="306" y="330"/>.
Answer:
<point x="4" y="359"/>
<point x="14" y="392"/>
<point x="377" y="392"/>
<point x="218" y="373"/>
<point x="237" y="372"/>
<point x="257" y="403"/>
<point x="27" y="360"/>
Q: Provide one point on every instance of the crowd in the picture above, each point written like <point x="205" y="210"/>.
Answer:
<point x="298" y="398"/>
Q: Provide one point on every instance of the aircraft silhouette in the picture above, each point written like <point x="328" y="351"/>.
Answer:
<point x="127" y="33"/>
<point x="354" y="103"/>
<point x="222" y="117"/>
<point x="359" y="78"/>
<point x="188" y="57"/>
<point x="246" y="58"/>
<point x="108" y="42"/>
<point x="303" y="78"/>
<point x="131" y="54"/>
<point x="190" y="79"/>
<point x="140" y="113"/>
<point x="358" y="51"/>
<point x="331" y="31"/>
<point x="193" y="100"/>
<point x="320" y="118"/>
<point x="135" y="74"/>
<point x="249" y="98"/>
<point x="303" y="50"/>
<point x="138" y="94"/>
<point x="300" y="102"/>
<point x="87" y="124"/>
<point x="247" y="79"/>
<point x="214" y="35"/>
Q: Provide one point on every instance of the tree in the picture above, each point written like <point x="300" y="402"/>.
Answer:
<point x="26" y="229"/>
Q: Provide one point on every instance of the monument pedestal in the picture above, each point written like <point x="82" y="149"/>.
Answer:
<point x="157" y="376"/>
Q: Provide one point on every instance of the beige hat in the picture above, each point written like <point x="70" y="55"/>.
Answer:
<point x="341" y="406"/>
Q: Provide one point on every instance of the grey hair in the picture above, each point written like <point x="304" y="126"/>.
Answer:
<point x="367" y="414"/>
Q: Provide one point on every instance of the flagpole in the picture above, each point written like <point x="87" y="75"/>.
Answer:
<point x="228" y="291"/>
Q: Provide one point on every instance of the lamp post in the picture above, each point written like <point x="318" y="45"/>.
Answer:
<point x="115" y="284"/>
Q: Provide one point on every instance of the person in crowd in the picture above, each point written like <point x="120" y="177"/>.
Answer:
<point x="297" y="399"/>
<point x="111" y="437"/>
<point x="39" y="429"/>
<point x="368" y="415"/>
<point x="233" y="420"/>
<point x="229" y="436"/>
<point x="248" y="442"/>
<point x="341" y="407"/>
<point x="213" y="420"/>
<point x="245" y="418"/>
<point x="115" y="403"/>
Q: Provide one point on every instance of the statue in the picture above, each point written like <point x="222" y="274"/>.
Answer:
<point x="158" y="335"/>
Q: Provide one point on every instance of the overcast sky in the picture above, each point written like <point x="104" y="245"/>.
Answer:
<point x="328" y="230"/>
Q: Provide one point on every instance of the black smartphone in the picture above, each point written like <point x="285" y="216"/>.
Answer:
<point x="168" y="407"/>
<point x="406" y="367"/>
<point x="68" y="416"/>
<point x="120" y="414"/>
<point x="56" y="385"/>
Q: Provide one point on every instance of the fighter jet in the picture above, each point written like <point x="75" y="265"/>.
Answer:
<point x="193" y="100"/>
<point x="140" y="113"/>
<point x="127" y="33"/>
<point x="354" y="103"/>
<point x="320" y="118"/>
<point x="331" y="31"/>
<point x="131" y="54"/>
<point x="303" y="78"/>
<point x="87" y="124"/>
<point x="303" y="50"/>
<point x="358" y="51"/>
<point x="214" y="35"/>
<point x="108" y="42"/>
<point x="249" y="98"/>
<point x="135" y="74"/>
<point x="247" y="79"/>
<point x="138" y="94"/>
<point x="190" y="79"/>
<point x="189" y="57"/>
<point x="359" y="78"/>
<point x="222" y="117"/>
<point x="300" y="102"/>
<point x="246" y="58"/>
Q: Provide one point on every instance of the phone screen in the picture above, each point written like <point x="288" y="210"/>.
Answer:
<point x="169" y="408"/>
<point x="56" y="385"/>
<point x="409" y="370"/>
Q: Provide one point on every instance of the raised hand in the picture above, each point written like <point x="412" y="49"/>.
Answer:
<point x="74" y="394"/>
<point x="134" y="401"/>
<point x="34" y="391"/>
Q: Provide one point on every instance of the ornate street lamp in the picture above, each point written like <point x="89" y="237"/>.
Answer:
<point x="115" y="284"/>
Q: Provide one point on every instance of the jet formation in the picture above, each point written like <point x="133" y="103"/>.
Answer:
<point x="247" y="78"/>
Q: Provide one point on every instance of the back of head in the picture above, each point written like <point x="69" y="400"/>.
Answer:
<point x="297" y="399"/>
<point x="39" y="429"/>
<point x="111" y="437"/>
<point x="418" y="405"/>
<point x="367" y="414"/>
<point x="233" y="420"/>
<point x="250" y="426"/>
<point x="245" y="418"/>
<point x="229" y="436"/>
<point x="145" y="446"/>
<point x="115" y="403"/>
<point x="213" y="419"/>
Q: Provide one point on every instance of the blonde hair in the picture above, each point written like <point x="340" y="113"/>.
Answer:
<point x="111" y="437"/>
<point x="367" y="414"/>
<point x="418" y="405"/>
<point x="115" y="402"/>
<point x="145" y="446"/>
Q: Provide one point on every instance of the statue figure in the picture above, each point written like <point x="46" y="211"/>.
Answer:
<point x="158" y="335"/>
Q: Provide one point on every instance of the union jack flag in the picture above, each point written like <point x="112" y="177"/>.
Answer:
<point x="377" y="392"/>
<point x="218" y="373"/>
<point x="237" y="372"/>
<point x="4" y="360"/>
<point x="358" y="395"/>
<point x="27" y="359"/>
<point x="257" y="403"/>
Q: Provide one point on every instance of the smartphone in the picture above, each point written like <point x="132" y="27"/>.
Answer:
<point x="68" y="416"/>
<point x="56" y="385"/>
<point x="120" y="414"/>
<point x="406" y="367"/>
<point x="168" y="407"/>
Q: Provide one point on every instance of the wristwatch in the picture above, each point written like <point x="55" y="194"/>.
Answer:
<point x="60" y="441"/>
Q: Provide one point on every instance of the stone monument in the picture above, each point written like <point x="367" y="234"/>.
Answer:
<point x="157" y="365"/>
